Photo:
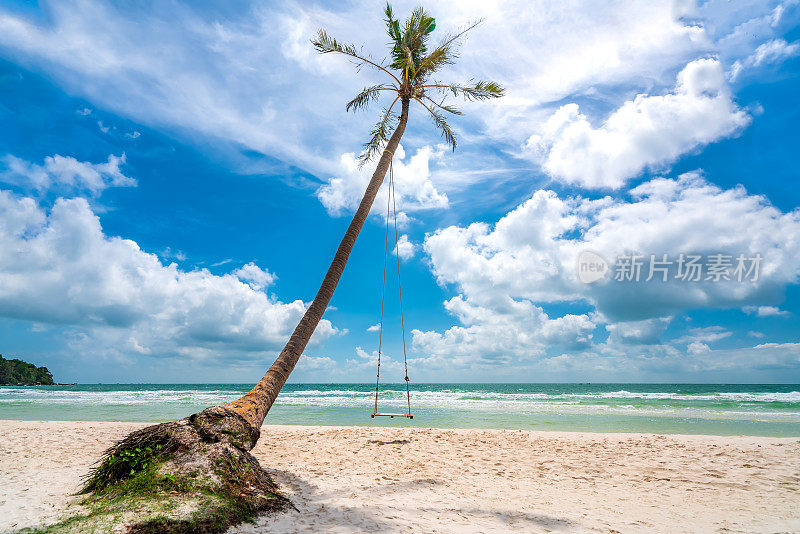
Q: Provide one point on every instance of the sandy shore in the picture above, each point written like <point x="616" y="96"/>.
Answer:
<point x="359" y="479"/>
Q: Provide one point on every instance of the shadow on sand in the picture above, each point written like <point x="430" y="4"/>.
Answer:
<point x="314" y="513"/>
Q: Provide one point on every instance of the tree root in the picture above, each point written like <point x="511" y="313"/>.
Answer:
<point x="191" y="475"/>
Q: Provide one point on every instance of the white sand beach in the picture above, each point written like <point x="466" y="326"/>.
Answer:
<point x="359" y="479"/>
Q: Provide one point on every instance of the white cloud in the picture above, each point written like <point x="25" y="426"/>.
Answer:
<point x="60" y="268"/>
<point x="65" y="174"/>
<point x="553" y="49"/>
<point x="774" y="51"/>
<point x="548" y="52"/>
<point x="413" y="187"/>
<point x="709" y="334"/>
<point x="764" y="311"/>
<point x="503" y="333"/>
<point x="404" y="248"/>
<point x="168" y="253"/>
<point x="314" y="363"/>
<point x="365" y="363"/>
<point x="646" y="132"/>
<point x="529" y="257"/>
<point x="771" y="52"/>
<point x="248" y="77"/>
<point x="698" y="339"/>
<point x="739" y="30"/>
<point x="177" y="68"/>
<point x="374" y="328"/>
<point x="697" y="347"/>
<point x="647" y="331"/>
<point x="255" y="276"/>
<point x="763" y="357"/>
<point x="253" y="78"/>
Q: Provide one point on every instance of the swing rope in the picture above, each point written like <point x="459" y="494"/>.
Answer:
<point x="391" y="209"/>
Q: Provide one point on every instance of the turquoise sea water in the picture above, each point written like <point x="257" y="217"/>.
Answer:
<point x="761" y="409"/>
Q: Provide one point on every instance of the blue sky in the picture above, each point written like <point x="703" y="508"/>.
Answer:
<point x="175" y="177"/>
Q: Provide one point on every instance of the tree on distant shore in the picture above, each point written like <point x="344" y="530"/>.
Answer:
<point x="15" y="372"/>
<point x="213" y="444"/>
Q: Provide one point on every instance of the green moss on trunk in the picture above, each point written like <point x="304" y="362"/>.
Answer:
<point x="181" y="476"/>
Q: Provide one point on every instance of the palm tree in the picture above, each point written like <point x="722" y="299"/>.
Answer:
<point x="409" y="73"/>
<point x="212" y="446"/>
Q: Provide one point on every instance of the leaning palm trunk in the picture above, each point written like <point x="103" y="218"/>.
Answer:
<point x="253" y="406"/>
<point x="209" y="450"/>
<point x="213" y="445"/>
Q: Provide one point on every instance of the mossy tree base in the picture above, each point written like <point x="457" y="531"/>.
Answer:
<point x="192" y="475"/>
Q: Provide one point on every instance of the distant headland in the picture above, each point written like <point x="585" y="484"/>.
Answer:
<point x="15" y="372"/>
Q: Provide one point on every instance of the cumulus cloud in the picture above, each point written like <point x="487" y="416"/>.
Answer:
<point x="414" y="190"/>
<point x="556" y="49"/>
<point x="365" y="363"/>
<point x="763" y="357"/>
<point x="501" y="334"/>
<point x="170" y="254"/>
<point x="404" y="248"/>
<point x="698" y="340"/>
<point x="764" y="311"/>
<point x="210" y="74"/>
<point x="530" y="256"/>
<point x="255" y="276"/>
<point x="248" y="76"/>
<point x="244" y="63"/>
<point x="769" y="53"/>
<point x="709" y="334"/>
<point x="58" y="267"/>
<point x="648" y="131"/>
<point x="65" y="174"/>
<point x="696" y="347"/>
<point x="315" y="363"/>
<point x="646" y="331"/>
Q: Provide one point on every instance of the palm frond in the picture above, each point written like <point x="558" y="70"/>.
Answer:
<point x="410" y="64"/>
<point x="441" y="55"/>
<point x="440" y="123"/>
<point x="392" y="25"/>
<point x="325" y="44"/>
<point x="444" y="107"/>
<point x="366" y="96"/>
<point x="444" y="54"/>
<point x="447" y="132"/>
<point x="380" y="135"/>
<point x="479" y="91"/>
<point x="409" y="45"/>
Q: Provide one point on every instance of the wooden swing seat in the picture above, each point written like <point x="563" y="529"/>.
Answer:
<point x="378" y="414"/>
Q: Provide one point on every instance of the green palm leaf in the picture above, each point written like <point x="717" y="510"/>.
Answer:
<point x="410" y="64"/>
<point x="379" y="136"/>
<point x="478" y="91"/>
<point x="447" y="132"/>
<point x="365" y="97"/>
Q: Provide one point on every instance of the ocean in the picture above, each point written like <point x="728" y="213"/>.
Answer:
<point x="729" y="409"/>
